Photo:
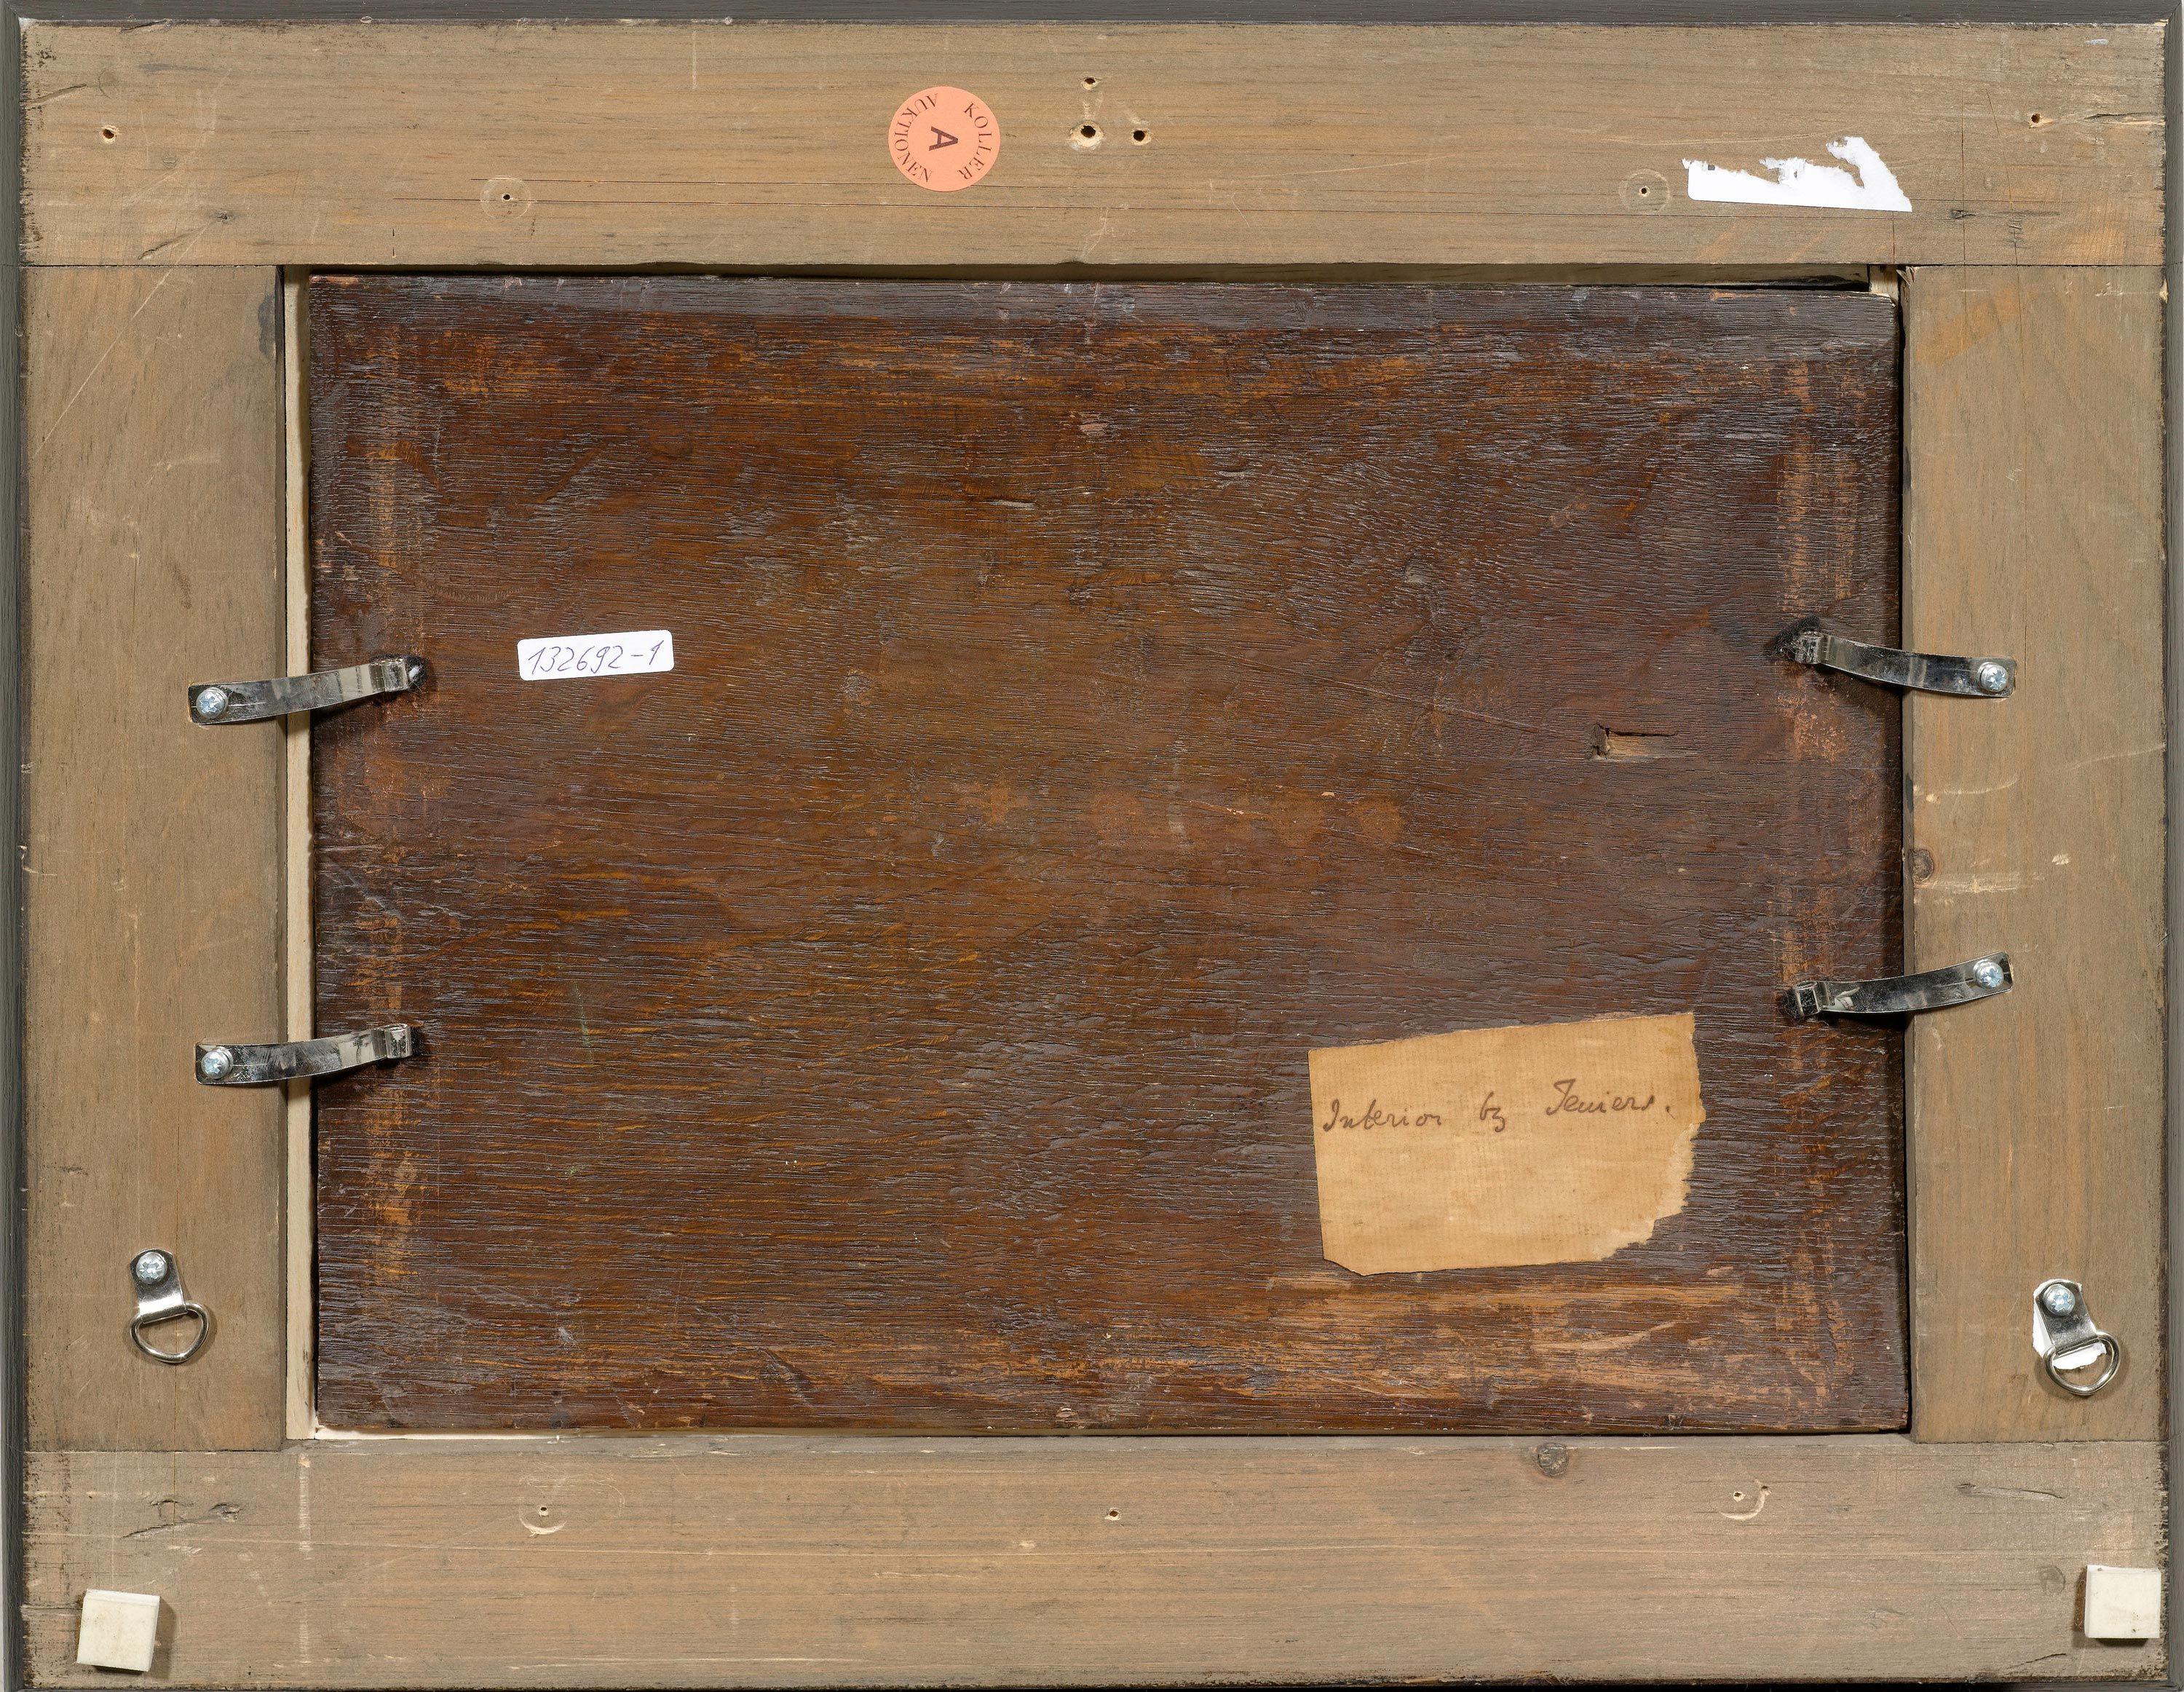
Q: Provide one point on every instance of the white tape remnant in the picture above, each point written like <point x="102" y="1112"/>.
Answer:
<point x="1800" y="182"/>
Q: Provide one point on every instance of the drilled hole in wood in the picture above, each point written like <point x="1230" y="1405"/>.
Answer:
<point x="109" y="133"/>
<point x="1140" y="136"/>
<point x="1086" y="138"/>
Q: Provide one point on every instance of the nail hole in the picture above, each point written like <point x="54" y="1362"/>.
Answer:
<point x="1090" y="131"/>
<point x="109" y="133"/>
<point x="1085" y="137"/>
<point x="2037" y="119"/>
<point x="1091" y="82"/>
<point x="1140" y="136"/>
<point x="1114" y="1516"/>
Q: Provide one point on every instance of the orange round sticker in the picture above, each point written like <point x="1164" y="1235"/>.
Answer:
<point x="943" y="139"/>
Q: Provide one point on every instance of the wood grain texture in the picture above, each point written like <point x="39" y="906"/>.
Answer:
<point x="153" y="904"/>
<point x="834" y="1561"/>
<point x="2033" y="528"/>
<point x="740" y="145"/>
<point x="1087" y="701"/>
<point x="1113" y="12"/>
<point x="299" y="989"/>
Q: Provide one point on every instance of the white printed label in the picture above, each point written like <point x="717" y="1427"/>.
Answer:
<point x="567" y="658"/>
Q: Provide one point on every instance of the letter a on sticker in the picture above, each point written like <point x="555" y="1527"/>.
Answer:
<point x="974" y="148"/>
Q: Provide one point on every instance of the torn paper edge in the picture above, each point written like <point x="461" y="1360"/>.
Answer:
<point x="1365" y="1255"/>
<point x="1800" y="182"/>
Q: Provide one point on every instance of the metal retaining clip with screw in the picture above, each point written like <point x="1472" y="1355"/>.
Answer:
<point x="1901" y="995"/>
<point x="1924" y="672"/>
<point x="215" y="703"/>
<point x="264" y="1066"/>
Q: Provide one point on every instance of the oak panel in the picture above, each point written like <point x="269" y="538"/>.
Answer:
<point x="1087" y="701"/>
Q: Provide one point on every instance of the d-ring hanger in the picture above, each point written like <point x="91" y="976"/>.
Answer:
<point x="160" y="1298"/>
<point x="2064" y="1336"/>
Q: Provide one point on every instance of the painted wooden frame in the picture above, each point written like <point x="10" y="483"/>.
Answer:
<point x="172" y="175"/>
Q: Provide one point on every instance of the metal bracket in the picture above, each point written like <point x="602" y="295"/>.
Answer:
<point x="2064" y="1336"/>
<point x="295" y="1059"/>
<point x="158" y="1279"/>
<point x="1901" y="995"/>
<point x="214" y="702"/>
<point x="1927" y="672"/>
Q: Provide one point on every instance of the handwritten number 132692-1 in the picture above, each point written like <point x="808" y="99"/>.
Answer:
<point x="555" y="657"/>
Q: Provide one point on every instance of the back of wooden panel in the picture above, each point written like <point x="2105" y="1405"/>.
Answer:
<point x="1086" y="702"/>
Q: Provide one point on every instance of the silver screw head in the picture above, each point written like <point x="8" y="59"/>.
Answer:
<point x="210" y="701"/>
<point x="150" y="1268"/>
<point x="1991" y="677"/>
<point x="214" y="1061"/>
<point x="2059" y="1300"/>
<point x="1988" y="973"/>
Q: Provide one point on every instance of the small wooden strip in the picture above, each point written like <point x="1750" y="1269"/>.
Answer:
<point x="152" y="423"/>
<point x="761" y="145"/>
<point x="2033" y="513"/>
<point x="296" y="851"/>
<point x="791" y="1561"/>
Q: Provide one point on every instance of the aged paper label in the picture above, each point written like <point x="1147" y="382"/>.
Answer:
<point x="1556" y="1144"/>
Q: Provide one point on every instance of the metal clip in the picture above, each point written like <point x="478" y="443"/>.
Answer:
<point x="1901" y="995"/>
<point x="158" y="1279"/>
<point x="1975" y="678"/>
<point x="213" y="702"/>
<point x="293" y="1060"/>
<point x="2064" y="1334"/>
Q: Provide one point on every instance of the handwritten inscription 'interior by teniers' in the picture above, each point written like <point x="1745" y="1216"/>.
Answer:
<point x="1568" y="1101"/>
<point x="1495" y="1147"/>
